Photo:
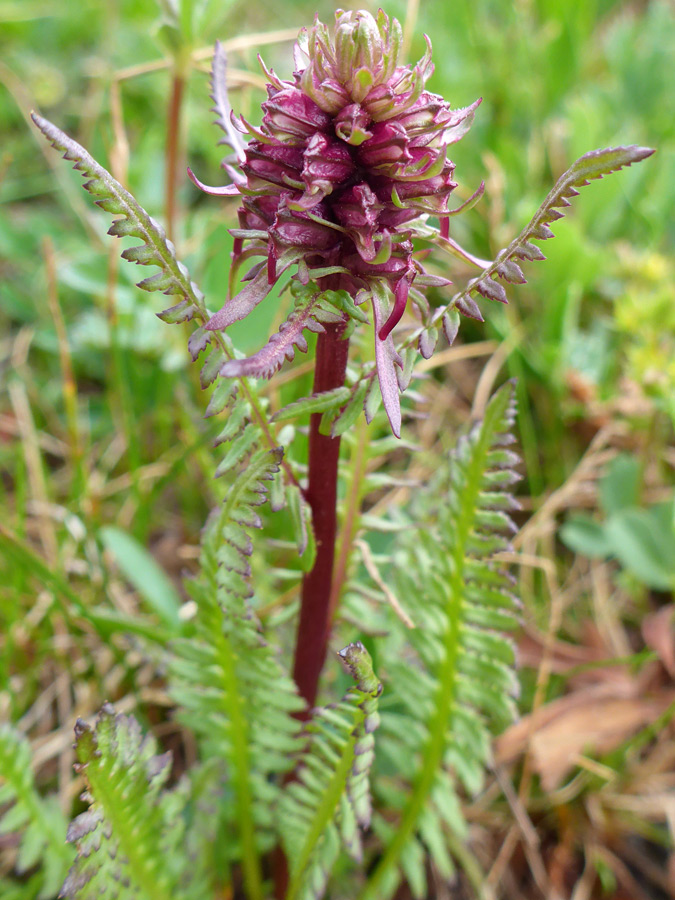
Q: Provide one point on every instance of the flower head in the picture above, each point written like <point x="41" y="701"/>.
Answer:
<point x="349" y="154"/>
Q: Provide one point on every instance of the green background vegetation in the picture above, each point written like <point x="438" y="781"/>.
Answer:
<point x="101" y="429"/>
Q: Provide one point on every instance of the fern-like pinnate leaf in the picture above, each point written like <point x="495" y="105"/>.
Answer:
<point x="312" y="308"/>
<point x="129" y="840"/>
<point x="330" y="799"/>
<point x="221" y="101"/>
<point x="587" y="168"/>
<point x="227" y="681"/>
<point x="39" y="822"/>
<point x="156" y="249"/>
<point x="172" y="279"/>
<point x="460" y="679"/>
<point x="326" y="401"/>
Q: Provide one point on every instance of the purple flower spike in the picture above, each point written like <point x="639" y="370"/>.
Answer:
<point x="348" y="155"/>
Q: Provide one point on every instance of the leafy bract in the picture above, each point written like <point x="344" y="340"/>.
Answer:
<point x="311" y="311"/>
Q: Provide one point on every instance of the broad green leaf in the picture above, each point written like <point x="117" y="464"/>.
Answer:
<point x="141" y="569"/>
<point x="620" y="486"/>
<point x="643" y="547"/>
<point x="585" y="536"/>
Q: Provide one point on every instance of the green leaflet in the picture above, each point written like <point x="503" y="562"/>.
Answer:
<point x="461" y="677"/>
<point x="330" y="799"/>
<point x="341" y="422"/>
<point x="328" y="400"/>
<point x="303" y="527"/>
<point x="132" y="831"/>
<point x="40" y="823"/>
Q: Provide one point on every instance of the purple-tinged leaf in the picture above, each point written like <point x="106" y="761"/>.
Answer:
<point x="451" y="325"/>
<point x="386" y="358"/>
<point x="541" y="232"/>
<point x="224" y="190"/>
<point x="198" y="341"/>
<point x="209" y="371"/>
<point x="142" y="255"/>
<point x="248" y="518"/>
<point x="552" y="215"/>
<point x="162" y="281"/>
<point x="427" y="342"/>
<point x="234" y="424"/>
<point x="222" y="107"/>
<point x="181" y="312"/>
<point x="174" y="278"/>
<point x="223" y="394"/>
<point x="588" y="167"/>
<point x="491" y="289"/>
<point x="237" y="450"/>
<point x="495" y="520"/>
<point x="231" y="559"/>
<point x="468" y="307"/>
<point x="237" y="538"/>
<point x="83" y="825"/>
<point x="528" y="251"/>
<point x="510" y="271"/>
<point x="281" y="346"/>
<point x="238" y="307"/>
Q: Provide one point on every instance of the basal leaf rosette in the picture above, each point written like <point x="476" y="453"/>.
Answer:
<point x="350" y="154"/>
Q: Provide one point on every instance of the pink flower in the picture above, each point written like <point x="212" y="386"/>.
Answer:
<point x="348" y="155"/>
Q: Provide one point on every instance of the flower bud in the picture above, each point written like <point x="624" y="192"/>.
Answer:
<point x="351" y="125"/>
<point x="326" y="163"/>
<point x="275" y="163"/>
<point x="358" y="48"/>
<point x="292" y="117"/>
<point x="387" y="148"/>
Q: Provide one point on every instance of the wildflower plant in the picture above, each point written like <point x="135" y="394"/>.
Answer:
<point x="344" y="189"/>
<point x="348" y="158"/>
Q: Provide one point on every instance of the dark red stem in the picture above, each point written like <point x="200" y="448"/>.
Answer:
<point x="314" y="625"/>
<point x="321" y="494"/>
